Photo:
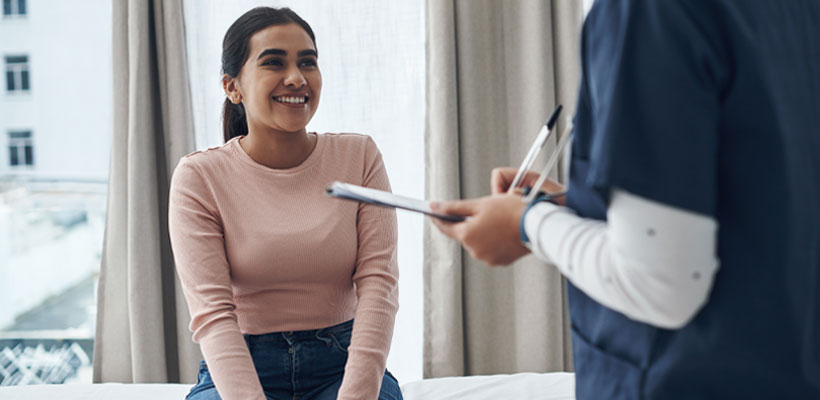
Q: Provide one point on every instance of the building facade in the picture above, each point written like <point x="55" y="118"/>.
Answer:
<point x="55" y="100"/>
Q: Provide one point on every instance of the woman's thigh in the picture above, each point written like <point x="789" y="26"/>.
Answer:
<point x="390" y="389"/>
<point x="209" y="393"/>
<point x="204" y="388"/>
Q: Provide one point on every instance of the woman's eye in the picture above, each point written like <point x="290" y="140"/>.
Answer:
<point x="274" y="62"/>
<point x="308" y="63"/>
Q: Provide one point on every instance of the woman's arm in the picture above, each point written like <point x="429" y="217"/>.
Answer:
<point x="652" y="262"/>
<point x="199" y="252"/>
<point x="376" y="278"/>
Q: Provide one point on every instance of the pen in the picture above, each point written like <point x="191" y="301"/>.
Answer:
<point x="556" y="154"/>
<point x="537" y="145"/>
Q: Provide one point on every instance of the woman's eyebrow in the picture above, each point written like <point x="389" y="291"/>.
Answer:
<point x="280" y="52"/>
<point x="276" y="52"/>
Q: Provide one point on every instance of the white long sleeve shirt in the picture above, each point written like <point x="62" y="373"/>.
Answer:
<point x="649" y="261"/>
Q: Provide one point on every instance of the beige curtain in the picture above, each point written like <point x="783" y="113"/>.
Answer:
<point x="141" y="334"/>
<point x="495" y="71"/>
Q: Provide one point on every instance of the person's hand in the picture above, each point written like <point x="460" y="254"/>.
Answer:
<point x="491" y="233"/>
<point x="502" y="177"/>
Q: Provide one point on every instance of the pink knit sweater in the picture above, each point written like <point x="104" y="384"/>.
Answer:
<point x="262" y="250"/>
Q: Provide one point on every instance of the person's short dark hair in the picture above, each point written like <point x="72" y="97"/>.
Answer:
<point x="235" y="49"/>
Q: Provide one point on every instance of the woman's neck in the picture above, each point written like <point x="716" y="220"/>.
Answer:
<point x="278" y="150"/>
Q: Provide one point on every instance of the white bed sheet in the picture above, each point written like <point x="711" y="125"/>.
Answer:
<point x="523" y="386"/>
<point x="103" y="391"/>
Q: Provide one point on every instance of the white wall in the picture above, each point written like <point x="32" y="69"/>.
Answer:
<point x="68" y="108"/>
<point x="371" y="54"/>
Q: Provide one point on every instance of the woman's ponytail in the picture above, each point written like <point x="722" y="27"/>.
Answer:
<point x="233" y="120"/>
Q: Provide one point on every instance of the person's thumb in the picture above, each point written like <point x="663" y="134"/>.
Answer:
<point x="463" y="208"/>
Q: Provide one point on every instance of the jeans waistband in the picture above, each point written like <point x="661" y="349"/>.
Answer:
<point x="294" y="336"/>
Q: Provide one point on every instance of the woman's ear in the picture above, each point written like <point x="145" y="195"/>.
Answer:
<point x="231" y="86"/>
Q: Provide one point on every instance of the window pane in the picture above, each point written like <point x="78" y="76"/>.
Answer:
<point x="29" y="155"/>
<point x="20" y="134"/>
<point x="24" y="79"/>
<point x="6" y="7"/>
<point x="16" y="59"/>
<point x="52" y="204"/>
<point x="13" y="156"/>
<point x="10" y="81"/>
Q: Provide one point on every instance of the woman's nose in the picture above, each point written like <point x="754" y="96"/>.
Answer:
<point x="295" y="78"/>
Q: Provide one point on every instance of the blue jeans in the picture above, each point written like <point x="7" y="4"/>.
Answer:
<point x="298" y="365"/>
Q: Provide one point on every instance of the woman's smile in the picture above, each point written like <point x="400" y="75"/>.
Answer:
<point x="293" y="100"/>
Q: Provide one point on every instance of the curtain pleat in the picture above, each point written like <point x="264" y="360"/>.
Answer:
<point x="495" y="71"/>
<point x="142" y="334"/>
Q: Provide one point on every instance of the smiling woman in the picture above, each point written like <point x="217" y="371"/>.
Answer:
<point x="372" y="60"/>
<point x="275" y="272"/>
<point x="278" y="89"/>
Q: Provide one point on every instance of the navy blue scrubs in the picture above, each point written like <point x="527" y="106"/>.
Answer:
<point x="714" y="107"/>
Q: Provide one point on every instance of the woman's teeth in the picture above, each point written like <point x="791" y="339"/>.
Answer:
<point x="291" y="99"/>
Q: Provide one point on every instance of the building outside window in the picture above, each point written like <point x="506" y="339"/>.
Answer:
<point x="17" y="74"/>
<point x="21" y="149"/>
<point x="52" y="203"/>
<point x="14" y="7"/>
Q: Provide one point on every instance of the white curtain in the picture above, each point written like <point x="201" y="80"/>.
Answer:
<point x="496" y="69"/>
<point x="142" y="335"/>
<point x="371" y="54"/>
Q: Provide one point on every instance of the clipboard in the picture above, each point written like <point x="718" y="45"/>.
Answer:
<point x="352" y="192"/>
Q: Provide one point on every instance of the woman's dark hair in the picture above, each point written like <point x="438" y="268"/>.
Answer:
<point x="235" y="49"/>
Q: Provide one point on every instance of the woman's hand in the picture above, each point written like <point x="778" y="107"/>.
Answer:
<point x="491" y="233"/>
<point x="502" y="177"/>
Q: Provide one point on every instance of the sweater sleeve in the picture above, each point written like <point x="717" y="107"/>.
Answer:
<point x="199" y="252"/>
<point x="376" y="278"/>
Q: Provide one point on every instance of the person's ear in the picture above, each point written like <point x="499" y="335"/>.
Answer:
<point x="231" y="87"/>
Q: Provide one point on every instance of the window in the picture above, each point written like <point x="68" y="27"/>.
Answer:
<point x="17" y="75"/>
<point x="21" y="149"/>
<point x="52" y="197"/>
<point x="14" y="7"/>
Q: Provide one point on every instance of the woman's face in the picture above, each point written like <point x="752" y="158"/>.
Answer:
<point x="280" y="82"/>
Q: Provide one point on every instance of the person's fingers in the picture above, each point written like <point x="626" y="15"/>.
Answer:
<point x="530" y="178"/>
<point x="501" y="178"/>
<point x="463" y="208"/>
<point x="447" y="228"/>
<point x="549" y="185"/>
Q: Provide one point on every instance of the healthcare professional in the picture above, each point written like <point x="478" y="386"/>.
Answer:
<point x="690" y="232"/>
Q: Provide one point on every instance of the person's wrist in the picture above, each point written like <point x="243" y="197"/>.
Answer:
<point x="522" y="231"/>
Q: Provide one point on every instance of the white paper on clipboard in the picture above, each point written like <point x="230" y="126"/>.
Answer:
<point x="349" y="191"/>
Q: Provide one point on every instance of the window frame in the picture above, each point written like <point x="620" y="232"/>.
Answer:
<point x="20" y="144"/>
<point x="15" y="8"/>
<point x="18" y="74"/>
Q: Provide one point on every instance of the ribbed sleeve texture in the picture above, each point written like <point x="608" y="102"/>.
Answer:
<point x="262" y="250"/>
